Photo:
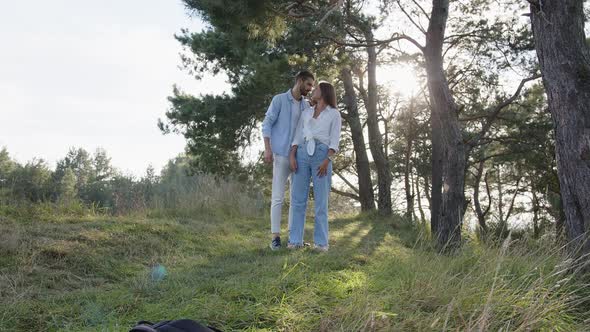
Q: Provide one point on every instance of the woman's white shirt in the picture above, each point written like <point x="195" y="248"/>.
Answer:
<point x="326" y="128"/>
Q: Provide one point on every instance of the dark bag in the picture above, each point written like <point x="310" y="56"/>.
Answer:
<point x="181" y="325"/>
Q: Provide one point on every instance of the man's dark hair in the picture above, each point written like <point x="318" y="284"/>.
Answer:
<point x="304" y="75"/>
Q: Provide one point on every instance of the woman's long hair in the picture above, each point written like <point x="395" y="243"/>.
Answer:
<point x="328" y="93"/>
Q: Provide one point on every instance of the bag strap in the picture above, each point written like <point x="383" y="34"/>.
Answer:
<point x="173" y="325"/>
<point x="141" y="327"/>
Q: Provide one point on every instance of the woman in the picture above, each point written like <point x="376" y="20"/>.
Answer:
<point x="316" y="141"/>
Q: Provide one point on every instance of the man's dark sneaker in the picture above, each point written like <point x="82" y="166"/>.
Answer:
<point x="276" y="243"/>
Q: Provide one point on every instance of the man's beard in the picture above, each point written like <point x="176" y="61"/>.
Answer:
<point x="303" y="92"/>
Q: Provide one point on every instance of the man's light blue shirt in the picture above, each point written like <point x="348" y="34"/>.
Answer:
<point x="280" y="122"/>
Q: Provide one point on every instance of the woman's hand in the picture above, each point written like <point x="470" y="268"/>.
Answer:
<point x="293" y="158"/>
<point x="293" y="163"/>
<point x="323" y="169"/>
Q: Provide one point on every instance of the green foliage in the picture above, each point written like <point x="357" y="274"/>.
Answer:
<point x="79" y="162"/>
<point x="66" y="189"/>
<point x="236" y="17"/>
<point x="217" y="126"/>
<point x="260" y="51"/>
<point x="31" y="181"/>
<point x="522" y="143"/>
<point x="411" y="124"/>
<point x="7" y="166"/>
<point x="33" y="191"/>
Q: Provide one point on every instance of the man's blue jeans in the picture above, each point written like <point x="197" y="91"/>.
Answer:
<point x="307" y="169"/>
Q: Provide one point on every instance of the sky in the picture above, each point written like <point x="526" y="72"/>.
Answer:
<point x="93" y="74"/>
<point x="97" y="74"/>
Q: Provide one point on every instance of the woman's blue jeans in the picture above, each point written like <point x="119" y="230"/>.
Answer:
<point x="307" y="170"/>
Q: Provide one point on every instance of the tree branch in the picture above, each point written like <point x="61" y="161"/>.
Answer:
<point x="337" y="4"/>
<point x="477" y="204"/>
<point x="364" y="43"/>
<point x="346" y="181"/>
<point x="479" y="117"/>
<point x="500" y="154"/>
<point x="418" y="26"/>
<point x="487" y="182"/>
<point x="494" y="113"/>
<point x="351" y="34"/>
<point x="421" y="9"/>
<point x="510" y="208"/>
<point x="345" y="194"/>
<point x="473" y="33"/>
<point x="361" y="88"/>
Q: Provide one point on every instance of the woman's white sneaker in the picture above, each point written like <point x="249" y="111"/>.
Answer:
<point x="320" y="248"/>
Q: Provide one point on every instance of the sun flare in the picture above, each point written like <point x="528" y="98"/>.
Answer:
<point x="400" y="79"/>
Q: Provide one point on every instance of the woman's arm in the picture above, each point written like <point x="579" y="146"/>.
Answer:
<point x="335" y="128"/>
<point x="293" y="158"/>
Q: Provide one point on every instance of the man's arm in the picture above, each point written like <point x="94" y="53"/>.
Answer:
<point x="272" y="114"/>
<point x="267" y="151"/>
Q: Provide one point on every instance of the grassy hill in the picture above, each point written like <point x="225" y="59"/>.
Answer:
<point x="93" y="274"/>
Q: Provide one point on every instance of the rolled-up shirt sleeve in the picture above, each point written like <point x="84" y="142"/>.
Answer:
<point x="335" y="128"/>
<point x="298" y="138"/>
<point x="271" y="117"/>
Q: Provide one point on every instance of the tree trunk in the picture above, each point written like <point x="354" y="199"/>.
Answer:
<point x="427" y="190"/>
<point x="481" y="214"/>
<point x="536" y="208"/>
<point x="414" y="216"/>
<point x="419" y="200"/>
<point x="435" y="200"/>
<point x="512" y="201"/>
<point x="560" y="224"/>
<point x="504" y="215"/>
<point x="407" y="180"/>
<point x="500" y="229"/>
<point x="448" y="149"/>
<point x="366" y="195"/>
<point x="564" y="58"/>
<point x="557" y="213"/>
<point x="375" y="139"/>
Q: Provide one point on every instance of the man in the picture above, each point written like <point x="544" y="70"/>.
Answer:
<point x="278" y="130"/>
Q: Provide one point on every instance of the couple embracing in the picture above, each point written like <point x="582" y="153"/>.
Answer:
<point x="300" y="140"/>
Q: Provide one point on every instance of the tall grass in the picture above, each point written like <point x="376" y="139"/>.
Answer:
<point x="25" y="211"/>
<point x="91" y="272"/>
<point x="207" y="195"/>
<point x="479" y="288"/>
<point x="186" y="196"/>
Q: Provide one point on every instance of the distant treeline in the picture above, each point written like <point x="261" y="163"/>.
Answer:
<point x="90" y="181"/>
